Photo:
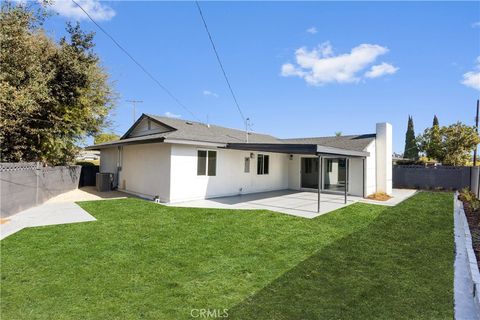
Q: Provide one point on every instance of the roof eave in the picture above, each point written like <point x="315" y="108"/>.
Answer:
<point x="342" y="152"/>
<point x="124" y="142"/>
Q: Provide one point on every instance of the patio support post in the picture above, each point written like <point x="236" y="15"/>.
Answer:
<point x="363" y="178"/>
<point x="346" y="178"/>
<point x="319" y="187"/>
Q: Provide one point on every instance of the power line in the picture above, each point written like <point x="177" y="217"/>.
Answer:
<point x="220" y="62"/>
<point x="169" y="93"/>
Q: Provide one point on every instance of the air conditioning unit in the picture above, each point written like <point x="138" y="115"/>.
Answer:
<point x="104" y="181"/>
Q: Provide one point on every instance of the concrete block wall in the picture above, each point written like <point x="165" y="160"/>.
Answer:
<point x="25" y="185"/>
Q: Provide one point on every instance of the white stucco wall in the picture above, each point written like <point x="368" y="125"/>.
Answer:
<point x="294" y="172"/>
<point x="146" y="170"/>
<point x="230" y="177"/>
<point x="355" y="177"/>
<point x="384" y="157"/>
<point x="370" y="170"/>
<point x="108" y="160"/>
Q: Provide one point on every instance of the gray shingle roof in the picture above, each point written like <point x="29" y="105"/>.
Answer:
<point x="351" y="142"/>
<point x="196" y="131"/>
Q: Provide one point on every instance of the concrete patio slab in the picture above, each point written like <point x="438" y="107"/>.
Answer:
<point x="300" y="204"/>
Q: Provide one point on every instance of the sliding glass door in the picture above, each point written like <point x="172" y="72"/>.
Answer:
<point x="334" y="174"/>
<point x="309" y="173"/>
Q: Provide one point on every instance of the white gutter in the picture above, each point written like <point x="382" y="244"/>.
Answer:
<point x="196" y="143"/>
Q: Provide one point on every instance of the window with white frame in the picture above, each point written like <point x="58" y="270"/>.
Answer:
<point x="206" y="163"/>
<point x="262" y="164"/>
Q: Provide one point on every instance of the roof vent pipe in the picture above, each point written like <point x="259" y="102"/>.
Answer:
<point x="247" y="124"/>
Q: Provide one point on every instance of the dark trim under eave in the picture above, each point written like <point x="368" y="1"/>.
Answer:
<point x="275" y="147"/>
<point x="312" y="149"/>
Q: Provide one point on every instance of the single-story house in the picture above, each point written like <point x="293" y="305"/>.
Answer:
<point x="178" y="160"/>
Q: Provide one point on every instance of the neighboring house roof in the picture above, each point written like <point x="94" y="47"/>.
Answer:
<point x="351" y="142"/>
<point x="185" y="130"/>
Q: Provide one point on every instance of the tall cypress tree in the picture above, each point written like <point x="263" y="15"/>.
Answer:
<point x="434" y="147"/>
<point x="411" y="148"/>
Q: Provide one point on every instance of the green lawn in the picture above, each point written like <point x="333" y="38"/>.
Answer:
<point x="143" y="260"/>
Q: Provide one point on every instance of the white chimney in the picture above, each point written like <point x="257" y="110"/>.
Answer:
<point x="383" y="150"/>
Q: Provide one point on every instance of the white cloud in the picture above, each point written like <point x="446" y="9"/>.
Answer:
<point x="311" y="30"/>
<point x="381" y="70"/>
<point x="320" y="65"/>
<point x="172" y="115"/>
<point x="95" y="9"/>
<point x="210" y="93"/>
<point x="472" y="78"/>
<point x="476" y="24"/>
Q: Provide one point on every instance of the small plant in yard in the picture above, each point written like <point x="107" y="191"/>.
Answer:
<point x="470" y="201"/>
<point x="475" y="205"/>
<point x="466" y="195"/>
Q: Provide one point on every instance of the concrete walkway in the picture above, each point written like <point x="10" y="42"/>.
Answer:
<point x="45" y="215"/>
<point x="61" y="209"/>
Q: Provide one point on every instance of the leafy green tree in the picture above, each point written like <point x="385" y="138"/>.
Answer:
<point x="435" y="121"/>
<point x="52" y="95"/>
<point x="458" y="142"/>
<point x="105" y="137"/>
<point x="411" y="148"/>
<point x="455" y="143"/>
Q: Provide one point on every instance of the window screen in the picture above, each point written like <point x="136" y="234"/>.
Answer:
<point x="262" y="164"/>
<point x="206" y="163"/>
<point x="212" y="163"/>
<point x="201" y="162"/>
<point x="265" y="164"/>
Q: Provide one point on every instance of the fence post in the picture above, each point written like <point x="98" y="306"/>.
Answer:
<point x="37" y="172"/>
<point x="475" y="177"/>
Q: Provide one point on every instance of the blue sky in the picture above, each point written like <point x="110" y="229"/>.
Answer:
<point x="298" y="69"/>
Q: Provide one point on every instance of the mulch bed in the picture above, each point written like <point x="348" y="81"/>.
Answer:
<point x="473" y="218"/>
<point x="379" y="196"/>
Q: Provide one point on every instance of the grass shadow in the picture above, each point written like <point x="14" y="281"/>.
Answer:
<point x="400" y="266"/>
